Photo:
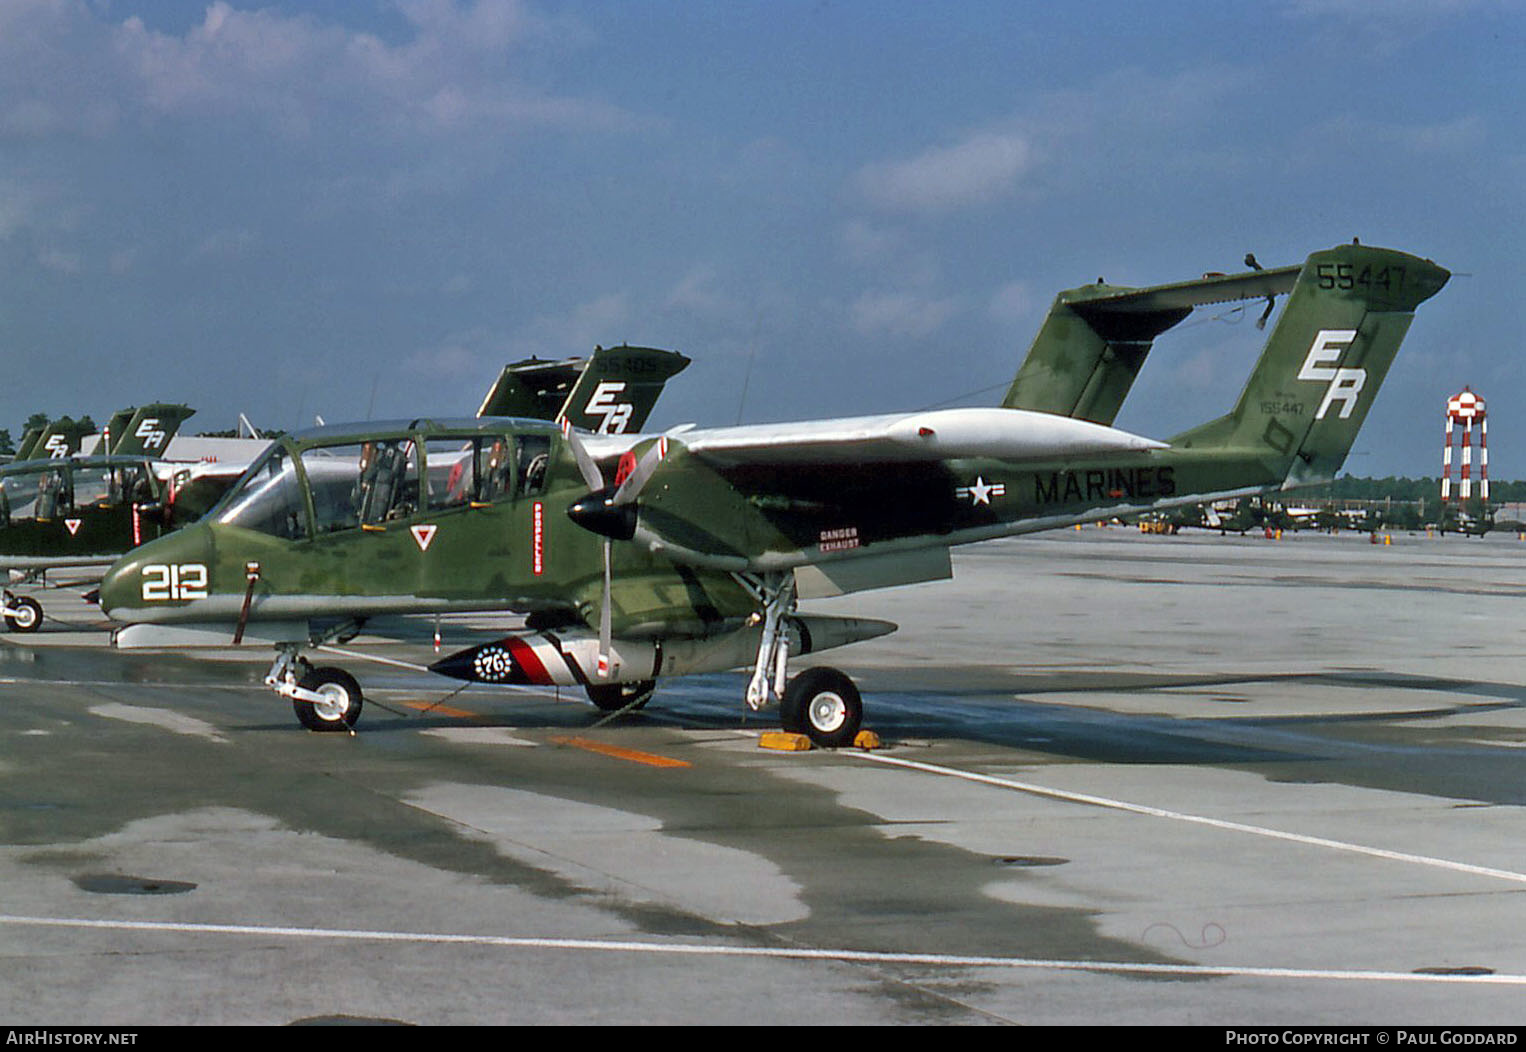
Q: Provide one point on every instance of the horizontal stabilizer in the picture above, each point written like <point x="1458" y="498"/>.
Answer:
<point x="1096" y="338"/>
<point x="1200" y="292"/>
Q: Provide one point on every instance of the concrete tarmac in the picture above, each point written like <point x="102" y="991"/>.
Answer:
<point x="1126" y="779"/>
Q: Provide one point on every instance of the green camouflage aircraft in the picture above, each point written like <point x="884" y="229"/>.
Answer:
<point x="61" y="510"/>
<point x="639" y="557"/>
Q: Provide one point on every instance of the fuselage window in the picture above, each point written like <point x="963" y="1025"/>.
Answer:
<point x="269" y="499"/>
<point x="453" y="475"/>
<point x="110" y="488"/>
<point x="497" y="469"/>
<point x="388" y="486"/>
<point x="534" y="456"/>
<point x="29" y="493"/>
<point x="361" y="483"/>
<point x="55" y="494"/>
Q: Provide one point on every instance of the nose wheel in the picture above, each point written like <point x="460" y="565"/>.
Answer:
<point x="324" y="699"/>
<point x="335" y="702"/>
<point x="22" y="613"/>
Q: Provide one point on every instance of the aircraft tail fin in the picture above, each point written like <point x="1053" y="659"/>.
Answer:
<point x="149" y="429"/>
<point x="619" y="387"/>
<point x="113" y="430"/>
<point x="61" y="438"/>
<point x="28" y="443"/>
<point x="1095" y="338"/>
<point x="611" y="392"/>
<point x="1324" y="361"/>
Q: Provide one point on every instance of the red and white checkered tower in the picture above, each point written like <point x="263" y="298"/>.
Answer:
<point x="1466" y="407"/>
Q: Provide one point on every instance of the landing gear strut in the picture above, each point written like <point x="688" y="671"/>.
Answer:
<point x="324" y="699"/>
<point x="776" y="593"/>
<point x="821" y="703"/>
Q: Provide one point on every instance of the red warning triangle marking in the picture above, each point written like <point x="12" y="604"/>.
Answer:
<point x="423" y="535"/>
<point x="73" y="525"/>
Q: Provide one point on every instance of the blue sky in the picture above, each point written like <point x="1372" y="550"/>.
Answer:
<point x="366" y="209"/>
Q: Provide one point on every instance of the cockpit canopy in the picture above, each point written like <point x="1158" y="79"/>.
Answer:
<point x="342" y="478"/>
<point x="46" y="490"/>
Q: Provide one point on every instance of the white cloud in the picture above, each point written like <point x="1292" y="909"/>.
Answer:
<point x="1444" y="138"/>
<point x="20" y="206"/>
<point x="459" y="285"/>
<point x="697" y="293"/>
<point x="865" y="244"/>
<point x="982" y="167"/>
<point x="900" y="314"/>
<point x="226" y="244"/>
<point x="459" y="356"/>
<point x="600" y="321"/>
<point x="1013" y="302"/>
<point x="65" y="68"/>
<point x="59" y="261"/>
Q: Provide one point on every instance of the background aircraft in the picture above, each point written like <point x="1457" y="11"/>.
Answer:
<point x="142" y="479"/>
<point x="611" y="392"/>
<point x="61" y="510"/>
<point x="640" y="557"/>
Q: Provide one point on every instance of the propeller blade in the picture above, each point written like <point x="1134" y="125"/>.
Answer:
<point x="590" y="470"/>
<point x="632" y="484"/>
<point x="604" y="604"/>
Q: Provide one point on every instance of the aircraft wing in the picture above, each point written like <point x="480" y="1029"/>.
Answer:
<point x="936" y="435"/>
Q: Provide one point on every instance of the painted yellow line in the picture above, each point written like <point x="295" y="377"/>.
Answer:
<point x="634" y="756"/>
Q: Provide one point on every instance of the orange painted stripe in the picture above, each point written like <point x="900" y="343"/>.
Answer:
<point x="650" y="759"/>
<point x="440" y="710"/>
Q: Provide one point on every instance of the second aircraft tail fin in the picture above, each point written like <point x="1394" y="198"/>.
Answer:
<point x="150" y="429"/>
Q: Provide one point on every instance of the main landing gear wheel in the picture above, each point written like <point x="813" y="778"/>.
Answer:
<point x="25" y="614"/>
<point x="823" y="704"/>
<point x="612" y="697"/>
<point x="341" y="705"/>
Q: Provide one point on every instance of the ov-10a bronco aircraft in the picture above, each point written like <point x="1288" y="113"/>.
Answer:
<point x="639" y="557"/>
<point x="62" y="510"/>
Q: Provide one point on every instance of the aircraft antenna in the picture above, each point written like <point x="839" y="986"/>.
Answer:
<point x="752" y="350"/>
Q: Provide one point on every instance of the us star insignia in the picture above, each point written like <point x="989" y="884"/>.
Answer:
<point x="980" y="491"/>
